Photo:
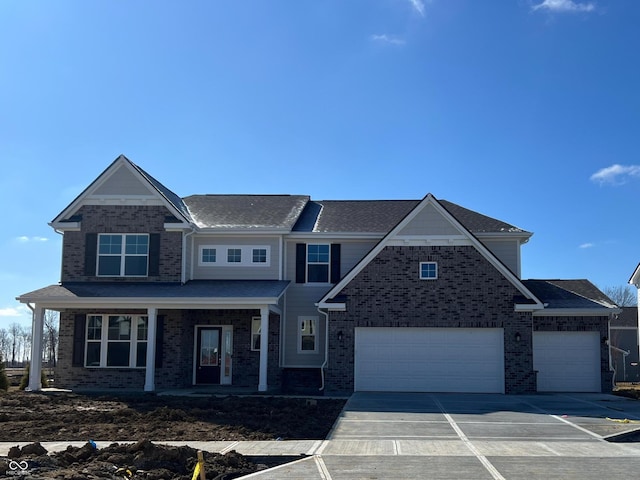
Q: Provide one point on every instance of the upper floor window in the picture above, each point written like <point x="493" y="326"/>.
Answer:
<point x="234" y="256"/>
<point x="318" y="263"/>
<point x="121" y="255"/>
<point x="259" y="255"/>
<point x="428" y="270"/>
<point x="208" y="255"/>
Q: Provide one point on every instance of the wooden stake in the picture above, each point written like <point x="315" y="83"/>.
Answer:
<point x="203" y="475"/>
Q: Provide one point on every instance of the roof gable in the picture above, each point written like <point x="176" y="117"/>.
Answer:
<point x="445" y="229"/>
<point x="123" y="181"/>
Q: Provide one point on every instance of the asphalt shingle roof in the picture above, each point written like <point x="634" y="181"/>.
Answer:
<point x="380" y="216"/>
<point x="627" y="318"/>
<point x="370" y="216"/>
<point x="246" y="211"/>
<point x="568" y="294"/>
<point x="193" y="289"/>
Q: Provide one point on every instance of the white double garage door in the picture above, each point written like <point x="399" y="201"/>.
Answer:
<point x="469" y="360"/>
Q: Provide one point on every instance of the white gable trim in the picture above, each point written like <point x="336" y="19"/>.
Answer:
<point x="155" y="197"/>
<point x="392" y="238"/>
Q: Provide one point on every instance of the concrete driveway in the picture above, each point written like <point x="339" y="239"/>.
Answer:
<point x="474" y="436"/>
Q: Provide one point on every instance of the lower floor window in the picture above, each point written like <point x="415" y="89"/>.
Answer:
<point x="256" y="326"/>
<point x="116" y="340"/>
<point x="307" y="334"/>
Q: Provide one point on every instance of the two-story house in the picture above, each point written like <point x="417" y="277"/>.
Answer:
<point x="283" y="292"/>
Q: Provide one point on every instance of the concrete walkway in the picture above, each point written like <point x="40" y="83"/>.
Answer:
<point x="454" y="436"/>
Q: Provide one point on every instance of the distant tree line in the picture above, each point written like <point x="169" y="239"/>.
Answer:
<point x="15" y="342"/>
<point x="622" y="295"/>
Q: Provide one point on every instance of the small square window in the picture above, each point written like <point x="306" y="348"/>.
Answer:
<point x="208" y="255"/>
<point x="428" y="270"/>
<point x="259" y="255"/>
<point x="234" y="255"/>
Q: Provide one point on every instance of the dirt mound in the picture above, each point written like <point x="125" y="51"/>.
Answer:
<point x="142" y="460"/>
<point x="30" y="417"/>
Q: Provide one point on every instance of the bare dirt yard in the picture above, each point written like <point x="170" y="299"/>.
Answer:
<point x="146" y="418"/>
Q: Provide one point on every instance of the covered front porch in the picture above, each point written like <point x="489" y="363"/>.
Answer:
<point x="150" y="337"/>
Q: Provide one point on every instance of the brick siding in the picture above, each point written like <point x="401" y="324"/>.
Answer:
<point x="469" y="293"/>
<point x="122" y="219"/>
<point x="178" y="352"/>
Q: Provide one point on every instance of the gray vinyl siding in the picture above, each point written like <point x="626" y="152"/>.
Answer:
<point x="243" y="272"/>
<point x="122" y="182"/>
<point x="300" y="302"/>
<point x="300" y="299"/>
<point x="508" y="251"/>
<point x="429" y="222"/>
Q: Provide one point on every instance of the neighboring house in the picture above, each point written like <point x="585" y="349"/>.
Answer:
<point x="283" y="292"/>
<point x="624" y="345"/>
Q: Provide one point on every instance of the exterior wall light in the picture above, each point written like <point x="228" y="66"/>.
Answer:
<point x="518" y="337"/>
<point x="340" y="336"/>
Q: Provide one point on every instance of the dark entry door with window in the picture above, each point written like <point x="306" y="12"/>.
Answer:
<point x="208" y="355"/>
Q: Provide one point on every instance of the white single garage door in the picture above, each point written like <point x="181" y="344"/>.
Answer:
<point x="567" y="361"/>
<point x="429" y="360"/>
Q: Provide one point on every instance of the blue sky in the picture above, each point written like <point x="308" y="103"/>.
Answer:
<point x="524" y="110"/>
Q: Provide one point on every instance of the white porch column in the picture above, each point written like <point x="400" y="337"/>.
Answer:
<point x="35" y="368"/>
<point x="150" y="369"/>
<point x="264" y="348"/>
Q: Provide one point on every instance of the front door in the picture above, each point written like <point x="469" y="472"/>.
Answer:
<point x="208" y="355"/>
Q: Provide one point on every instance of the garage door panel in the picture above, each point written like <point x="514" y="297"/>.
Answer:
<point x="567" y="361"/>
<point x="429" y="360"/>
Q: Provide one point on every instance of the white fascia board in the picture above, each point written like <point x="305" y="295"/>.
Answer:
<point x="429" y="240"/>
<point x="241" y="231"/>
<point x="576" y="312"/>
<point x="332" y="306"/>
<point x="335" y="235"/>
<point x="635" y="277"/>
<point x="177" y="227"/>
<point x="141" y="302"/>
<point x="66" y="226"/>
<point x="527" y="307"/>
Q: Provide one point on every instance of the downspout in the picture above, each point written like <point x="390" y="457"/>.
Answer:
<point x="326" y="347"/>
<point x="183" y="277"/>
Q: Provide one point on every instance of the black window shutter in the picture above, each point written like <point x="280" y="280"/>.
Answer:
<point x="301" y="262"/>
<point x="90" y="253"/>
<point x="154" y="254"/>
<point x="159" y="340"/>
<point x="78" y="340"/>
<point x="335" y="262"/>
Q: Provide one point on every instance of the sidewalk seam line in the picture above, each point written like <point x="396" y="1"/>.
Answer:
<point x="493" y="471"/>
<point x="322" y="467"/>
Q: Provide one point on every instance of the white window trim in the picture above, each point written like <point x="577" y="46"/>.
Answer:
<point x="246" y="252"/>
<point x="104" y="340"/>
<point x="327" y="263"/>
<point x="123" y="255"/>
<point x="314" y="334"/>
<point x="420" y="271"/>
<point x="253" y="320"/>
